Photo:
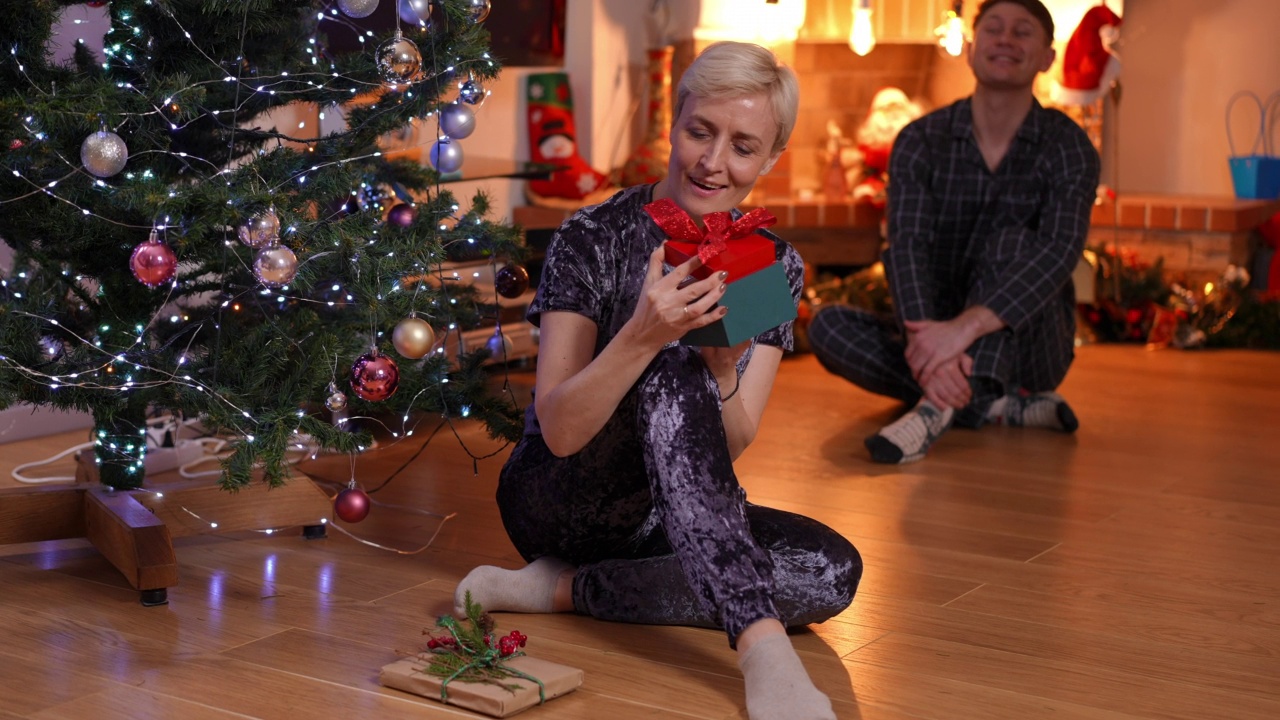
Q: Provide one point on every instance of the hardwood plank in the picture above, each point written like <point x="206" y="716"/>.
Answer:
<point x="121" y="702"/>
<point x="133" y="539"/>
<point x="36" y="514"/>
<point x="27" y="687"/>
<point x="1110" y="687"/>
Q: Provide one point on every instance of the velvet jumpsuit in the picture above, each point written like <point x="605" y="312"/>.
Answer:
<point x="650" y="510"/>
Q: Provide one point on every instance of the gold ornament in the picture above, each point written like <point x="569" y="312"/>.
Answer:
<point x="413" y="338"/>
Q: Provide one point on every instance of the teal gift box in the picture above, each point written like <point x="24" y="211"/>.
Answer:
<point x="757" y="302"/>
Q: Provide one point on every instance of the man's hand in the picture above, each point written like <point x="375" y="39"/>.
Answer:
<point x="932" y="343"/>
<point x="948" y="386"/>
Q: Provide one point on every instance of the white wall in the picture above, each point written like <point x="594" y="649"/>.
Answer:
<point x="1183" y="59"/>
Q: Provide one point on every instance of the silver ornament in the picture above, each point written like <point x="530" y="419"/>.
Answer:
<point x="478" y="10"/>
<point x="398" y="60"/>
<point x="470" y="92"/>
<point x="275" y="265"/>
<point x="446" y="156"/>
<point x="357" y="8"/>
<point x="336" y="402"/>
<point x="416" y="12"/>
<point x="261" y="229"/>
<point x="457" y="121"/>
<point x="104" y="153"/>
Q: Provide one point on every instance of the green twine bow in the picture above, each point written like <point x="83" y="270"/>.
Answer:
<point x="471" y="654"/>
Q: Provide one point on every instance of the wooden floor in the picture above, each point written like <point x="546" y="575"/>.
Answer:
<point x="1129" y="571"/>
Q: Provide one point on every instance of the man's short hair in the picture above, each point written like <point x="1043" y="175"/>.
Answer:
<point x="1035" y="7"/>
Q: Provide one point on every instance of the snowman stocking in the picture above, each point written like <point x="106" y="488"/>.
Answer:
<point x="552" y="139"/>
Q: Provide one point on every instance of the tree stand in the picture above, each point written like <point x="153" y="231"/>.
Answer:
<point x="134" y="529"/>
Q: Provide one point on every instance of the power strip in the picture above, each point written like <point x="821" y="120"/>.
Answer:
<point x="164" y="459"/>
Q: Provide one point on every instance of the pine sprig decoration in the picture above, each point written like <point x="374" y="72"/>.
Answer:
<point x="468" y="651"/>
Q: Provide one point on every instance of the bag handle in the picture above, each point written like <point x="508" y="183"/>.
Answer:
<point x="1260" y="139"/>
<point x="1270" y="118"/>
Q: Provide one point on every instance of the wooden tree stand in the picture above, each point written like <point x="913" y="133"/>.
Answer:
<point x="134" y="529"/>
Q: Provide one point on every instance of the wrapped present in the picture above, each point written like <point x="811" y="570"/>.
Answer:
<point x="758" y="294"/>
<point x="498" y="699"/>
<point x="467" y="664"/>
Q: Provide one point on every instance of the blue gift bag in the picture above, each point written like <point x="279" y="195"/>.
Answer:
<point x="1256" y="176"/>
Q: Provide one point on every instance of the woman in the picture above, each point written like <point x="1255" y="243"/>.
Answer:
<point x="622" y="492"/>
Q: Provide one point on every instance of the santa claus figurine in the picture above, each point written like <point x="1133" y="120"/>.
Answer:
<point x="867" y="164"/>
<point x="1089" y="67"/>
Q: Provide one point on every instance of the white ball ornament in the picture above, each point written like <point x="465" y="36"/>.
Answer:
<point x="357" y="8"/>
<point x="446" y="156"/>
<point x="457" y="121"/>
<point x="103" y="153"/>
<point x="275" y="265"/>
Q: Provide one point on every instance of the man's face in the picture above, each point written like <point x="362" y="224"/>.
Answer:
<point x="1009" y="48"/>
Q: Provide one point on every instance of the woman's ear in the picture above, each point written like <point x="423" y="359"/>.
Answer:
<point x="768" y="165"/>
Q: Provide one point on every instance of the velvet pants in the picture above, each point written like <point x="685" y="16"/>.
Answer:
<point x="651" y="513"/>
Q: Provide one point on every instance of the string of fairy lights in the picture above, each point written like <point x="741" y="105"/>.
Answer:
<point x="105" y="154"/>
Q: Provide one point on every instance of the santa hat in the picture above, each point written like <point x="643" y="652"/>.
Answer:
<point x="1088" y="65"/>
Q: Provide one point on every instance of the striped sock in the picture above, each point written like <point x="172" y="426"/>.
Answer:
<point x="1045" y="410"/>
<point x="909" y="437"/>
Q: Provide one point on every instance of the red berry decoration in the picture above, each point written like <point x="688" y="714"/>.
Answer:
<point x="507" y="646"/>
<point x="511" y="281"/>
<point x="153" y="263"/>
<point x="375" y="377"/>
<point x="351" y="505"/>
<point x="402" y="215"/>
<point x="15" y="143"/>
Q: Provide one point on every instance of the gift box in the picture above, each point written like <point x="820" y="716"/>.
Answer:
<point x="409" y="675"/>
<point x="740" y="257"/>
<point x="757" y="302"/>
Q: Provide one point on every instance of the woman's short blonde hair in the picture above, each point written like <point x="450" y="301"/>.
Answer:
<point x="734" y="69"/>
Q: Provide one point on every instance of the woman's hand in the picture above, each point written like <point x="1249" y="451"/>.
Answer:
<point x="668" y="308"/>
<point x="723" y="363"/>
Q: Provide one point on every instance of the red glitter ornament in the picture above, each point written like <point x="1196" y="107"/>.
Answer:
<point x="351" y="505"/>
<point x="375" y="377"/>
<point x="15" y="144"/>
<point x="153" y="263"/>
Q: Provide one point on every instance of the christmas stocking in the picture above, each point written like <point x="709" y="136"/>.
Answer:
<point x="552" y="139"/>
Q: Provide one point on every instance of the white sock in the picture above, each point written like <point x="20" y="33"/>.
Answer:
<point x="778" y="688"/>
<point x="531" y="589"/>
<point x="1045" y="410"/>
<point x="909" y="437"/>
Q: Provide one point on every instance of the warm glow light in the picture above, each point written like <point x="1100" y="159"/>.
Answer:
<point x="1208" y="288"/>
<point x="862" y="37"/>
<point x="951" y="34"/>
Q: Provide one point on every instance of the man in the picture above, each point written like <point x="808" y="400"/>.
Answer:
<point x="988" y="210"/>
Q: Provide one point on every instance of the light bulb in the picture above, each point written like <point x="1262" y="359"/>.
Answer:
<point x="862" y="38"/>
<point x="951" y="34"/>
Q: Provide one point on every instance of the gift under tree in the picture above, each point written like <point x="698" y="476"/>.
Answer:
<point x="177" y="252"/>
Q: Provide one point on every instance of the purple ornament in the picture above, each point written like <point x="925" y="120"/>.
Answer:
<point x="374" y="377"/>
<point x="153" y="263"/>
<point x="499" y="346"/>
<point x="511" y="281"/>
<point x="402" y="215"/>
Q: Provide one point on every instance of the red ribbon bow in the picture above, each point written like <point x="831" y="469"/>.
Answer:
<point x="677" y="224"/>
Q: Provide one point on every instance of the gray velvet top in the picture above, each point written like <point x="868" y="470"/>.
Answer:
<point x="596" y="265"/>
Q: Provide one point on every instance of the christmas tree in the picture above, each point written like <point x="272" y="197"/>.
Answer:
<point x="175" y="252"/>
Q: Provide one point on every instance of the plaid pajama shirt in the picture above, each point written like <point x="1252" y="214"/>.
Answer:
<point x="961" y="235"/>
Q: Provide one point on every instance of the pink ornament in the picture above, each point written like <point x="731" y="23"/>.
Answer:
<point x="351" y="505"/>
<point x="153" y="263"/>
<point x="375" y="377"/>
<point x="402" y="215"/>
